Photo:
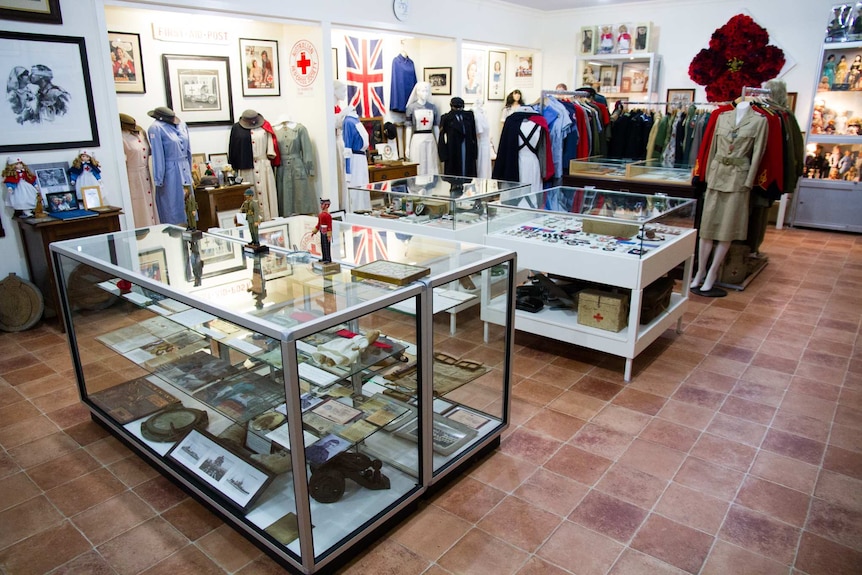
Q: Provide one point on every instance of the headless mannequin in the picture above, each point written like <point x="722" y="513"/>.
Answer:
<point x="704" y="279"/>
<point x="529" y="166"/>
<point x="422" y="138"/>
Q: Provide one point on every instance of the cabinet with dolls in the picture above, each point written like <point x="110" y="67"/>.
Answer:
<point x="829" y="195"/>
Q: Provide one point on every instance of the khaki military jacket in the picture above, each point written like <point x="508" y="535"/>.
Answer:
<point x="736" y="151"/>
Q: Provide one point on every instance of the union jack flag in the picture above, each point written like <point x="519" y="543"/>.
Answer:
<point x="365" y="76"/>
<point x="369" y="245"/>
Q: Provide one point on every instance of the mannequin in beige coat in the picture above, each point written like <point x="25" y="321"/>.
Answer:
<point x="734" y="157"/>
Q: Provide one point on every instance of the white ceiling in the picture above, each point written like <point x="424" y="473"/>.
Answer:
<point x="566" y="4"/>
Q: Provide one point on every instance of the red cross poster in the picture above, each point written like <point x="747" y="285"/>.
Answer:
<point x="304" y="64"/>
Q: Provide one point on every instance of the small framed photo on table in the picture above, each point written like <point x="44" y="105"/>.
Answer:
<point x="92" y="197"/>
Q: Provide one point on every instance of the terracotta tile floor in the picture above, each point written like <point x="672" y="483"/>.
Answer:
<point x="736" y="448"/>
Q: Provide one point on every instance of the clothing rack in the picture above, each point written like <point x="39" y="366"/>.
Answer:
<point x="572" y="93"/>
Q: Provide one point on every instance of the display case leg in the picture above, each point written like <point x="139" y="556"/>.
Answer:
<point x="628" y="374"/>
<point x="679" y="325"/>
<point x="486" y="332"/>
<point x="453" y="323"/>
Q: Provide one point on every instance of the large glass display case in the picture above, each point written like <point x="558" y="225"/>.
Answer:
<point x="616" y="243"/>
<point x="654" y="171"/>
<point x="600" y="167"/>
<point x="215" y="365"/>
<point x="451" y="207"/>
<point x="829" y="194"/>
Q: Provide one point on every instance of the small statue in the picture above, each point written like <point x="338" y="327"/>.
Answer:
<point x="196" y="263"/>
<point x="251" y="208"/>
<point x="324" y="226"/>
<point x="21" y="187"/>
<point x="191" y="209"/>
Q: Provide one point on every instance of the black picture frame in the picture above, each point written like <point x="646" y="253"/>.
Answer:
<point x="126" y="82"/>
<point x="440" y="80"/>
<point x="198" y="89"/>
<point x="64" y="98"/>
<point x="44" y="12"/>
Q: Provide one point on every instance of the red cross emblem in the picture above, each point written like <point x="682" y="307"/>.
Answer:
<point x="303" y="62"/>
<point x="423" y="121"/>
<point x="598" y="317"/>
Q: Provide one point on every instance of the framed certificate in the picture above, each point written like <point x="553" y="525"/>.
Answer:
<point x="92" y="196"/>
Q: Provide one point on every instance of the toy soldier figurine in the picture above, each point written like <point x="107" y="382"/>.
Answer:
<point x="251" y="208"/>
<point x="324" y="226"/>
<point x="191" y="209"/>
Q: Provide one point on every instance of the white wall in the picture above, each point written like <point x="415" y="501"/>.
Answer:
<point x="440" y="28"/>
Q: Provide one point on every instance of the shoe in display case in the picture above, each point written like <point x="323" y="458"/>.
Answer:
<point x="231" y="378"/>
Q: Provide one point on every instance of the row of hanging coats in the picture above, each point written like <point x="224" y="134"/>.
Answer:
<point x="536" y="145"/>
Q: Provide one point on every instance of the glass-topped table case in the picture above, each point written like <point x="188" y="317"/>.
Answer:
<point x="214" y="364"/>
<point x="600" y="167"/>
<point x="654" y="171"/>
<point x="617" y="243"/>
<point x="452" y="207"/>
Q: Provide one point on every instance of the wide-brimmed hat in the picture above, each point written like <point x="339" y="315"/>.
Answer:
<point x="251" y="119"/>
<point x="164" y="114"/>
<point x="127" y="122"/>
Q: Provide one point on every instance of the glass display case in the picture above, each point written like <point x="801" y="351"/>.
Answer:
<point x="600" y="167"/>
<point x="653" y="171"/>
<point x="829" y="194"/>
<point x="215" y="365"/>
<point x="616" y="243"/>
<point x="621" y="76"/>
<point x="451" y="207"/>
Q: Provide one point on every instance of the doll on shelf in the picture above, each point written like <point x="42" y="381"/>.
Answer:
<point x="624" y="40"/>
<point x="21" y="190"/>
<point x="85" y="171"/>
<point x="606" y="41"/>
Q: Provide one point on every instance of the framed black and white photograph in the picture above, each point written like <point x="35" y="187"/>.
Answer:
<point x="198" y="89"/>
<point x="440" y="80"/>
<point x="49" y="101"/>
<point x="259" y="60"/>
<point x="496" y="75"/>
<point x="240" y="481"/>
<point x="220" y="256"/>
<point x="126" y="63"/>
<point x="52" y="177"/>
<point x="678" y="98"/>
<point x="607" y="77"/>
<point x="42" y="11"/>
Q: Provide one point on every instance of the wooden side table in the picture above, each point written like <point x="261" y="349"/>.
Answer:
<point x="37" y="235"/>
<point x="215" y="200"/>
<point x="385" y="171"/>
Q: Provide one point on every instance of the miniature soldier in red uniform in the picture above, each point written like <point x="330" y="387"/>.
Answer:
<point x="324" y="226"/>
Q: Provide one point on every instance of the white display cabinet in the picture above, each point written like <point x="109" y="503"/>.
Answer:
<point x="211" y="363"/>
<point x="621" y="76"/>
<point x="829" y="195"/>
<point x="618" y="241"/>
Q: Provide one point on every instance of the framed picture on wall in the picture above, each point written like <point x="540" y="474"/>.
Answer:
<point x="607" y="77"/>
<point x="638" y="74"/>
<point x="679" y="98"/>
<point x="440" y="80"/>
<point x="198" y="89"/>
<point x="791" y="101"/>
<point x="52" y="177"/>
<point x="496" y="75"/>
<point x="474" y="74"/>
<point x="49" y="100"/>
<point x="127" y="63"/>
<point x="335" y="63"/>
<point x="587" y="44"/>
<point x="259" y="59"/>
<point x="43" y="11"/>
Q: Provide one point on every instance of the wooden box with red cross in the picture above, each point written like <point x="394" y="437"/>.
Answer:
<point x="603" y="310"/>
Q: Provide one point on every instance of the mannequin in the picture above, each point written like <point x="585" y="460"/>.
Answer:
<point x="483" y="140"/>
<point x="137" y="149"/>
<point x="295" y="189"/>
<point x="734" y="158"/>
<point x="458" y="146"/>
<point x="529" y="165"/>
<point x="251" y="152"/>
<point x="523" y="149"/>
<point x="172" y="164"/>
<point x="423" y="122"/>
<point x="513" y="101"/>
<point x="339" y="91"/>
<point x="354" y="137"/>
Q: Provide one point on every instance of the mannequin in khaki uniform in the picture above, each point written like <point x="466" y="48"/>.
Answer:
<point x="734" y="157"/>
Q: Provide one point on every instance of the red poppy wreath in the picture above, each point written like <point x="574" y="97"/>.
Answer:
<point x="738" y="55"/>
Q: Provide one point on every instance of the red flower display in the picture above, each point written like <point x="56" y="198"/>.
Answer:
<point x="739" y="55"/>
